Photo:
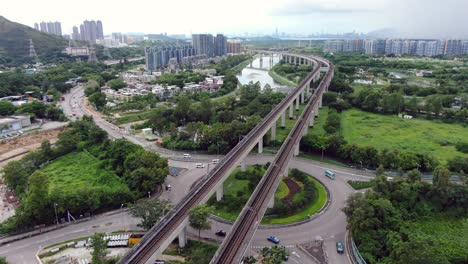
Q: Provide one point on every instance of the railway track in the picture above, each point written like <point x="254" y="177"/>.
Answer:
<point x="163" y="230"/>
<point x="236" y="243"/>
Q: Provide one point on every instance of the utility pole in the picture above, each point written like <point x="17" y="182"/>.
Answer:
<point x="56" y="216"/>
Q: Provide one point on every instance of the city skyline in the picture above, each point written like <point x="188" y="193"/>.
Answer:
<point x="413" y="18"/>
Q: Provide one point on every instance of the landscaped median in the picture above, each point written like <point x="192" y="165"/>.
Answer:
<point x="298" y="197"/>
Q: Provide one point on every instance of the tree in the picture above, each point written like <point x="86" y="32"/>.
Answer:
<point x="249" y="260"/>
<point x="98" y="99"/>
<point x="414" y="176"/>
<point x="6" y="108"/>
<point x="150" y="211"/>
<point x="37" y="203"/>
<point x="198" y="218"/>
<point x="3" y="260"/>
<point x="380" y="171"/>
<point x="99" y="246"/>
<point x="274" y="254"/>
<point x="117" y="84"/>
<point x="441" y="176"/>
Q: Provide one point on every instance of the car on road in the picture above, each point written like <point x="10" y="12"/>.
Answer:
<point x="215" y="161"/>
<point x="273" y="239"/>
<point x="158" y="261"/>
<point x="330" y="174"/>
<point x="200" y="165"/>
<point x="339" y="247"/>
<point x="186" y="156"/>
<point x="221" y="233"/>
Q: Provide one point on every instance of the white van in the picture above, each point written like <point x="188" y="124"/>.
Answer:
<point x="186" y="156"/>
<point x="215" y="161"/>
<point x="200" y="165"/>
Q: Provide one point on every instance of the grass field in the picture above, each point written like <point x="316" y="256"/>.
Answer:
<point x="392" y="132"/>
<point x="280" y="79"/>
<point x="232" y="186"/>
<point x="77" y="181"/>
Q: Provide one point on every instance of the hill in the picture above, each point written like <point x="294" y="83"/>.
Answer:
<point x="14" y="42"/>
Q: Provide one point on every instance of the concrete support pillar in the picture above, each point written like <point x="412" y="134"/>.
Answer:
<point x="283" y="119"/>
<point x="316" y="111"/>
<point x="320" y="101"/>
<point x="183" y="237"/>
<point x="271" y="204"/>
<point x="291" y="111"/>
<point x="273" y="131"/>
<point x="243" y="165"/>
<point x="311" y="123"/>
<point x="303" y="96"/>
<point x="306" y="130"/>
<point x="296" y="150"/>
<point x="297" y="103"/>
<point x="220" y="193"/>
<point x="260" y="145"/>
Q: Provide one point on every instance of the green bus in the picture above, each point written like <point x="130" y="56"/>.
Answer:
<point x="330" y="174"/>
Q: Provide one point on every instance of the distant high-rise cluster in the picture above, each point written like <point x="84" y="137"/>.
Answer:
<point x="54" y="28"/>
<point x="159" y="57"/>
<point x="399" y="46"/>
<point x="89" y="31"/>
<point x="206" y="44"/>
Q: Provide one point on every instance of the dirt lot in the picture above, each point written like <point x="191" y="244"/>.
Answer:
<point x="20" y="145"/>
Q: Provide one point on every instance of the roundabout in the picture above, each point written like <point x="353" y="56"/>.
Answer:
<point x="298" y="198"/>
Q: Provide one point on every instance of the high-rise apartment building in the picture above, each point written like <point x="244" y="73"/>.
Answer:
<point x="220" y="45"/>
<point x="374" y="46"/>
<point x="76" y="33"/>
<point x="159" y="57"/>
<point x="203" y="44"/>
<point x="234" y="46"/>
<point x="91" y="31"/>
<point x="54" y="28"/>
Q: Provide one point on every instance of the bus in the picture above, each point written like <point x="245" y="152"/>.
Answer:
<point x="135" y="237"/>
<point x="330" y="174"/>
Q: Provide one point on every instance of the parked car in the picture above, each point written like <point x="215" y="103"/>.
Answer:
<point x="221" y="233"/>
<point x="215" y="161"/>
<point x="339" y="247"/>
<point x="200" y="165"/>
<point x="273" y="239"/>
<point x="186" y="156"/>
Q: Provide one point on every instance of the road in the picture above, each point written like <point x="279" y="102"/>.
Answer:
<point x="331" y="225"/>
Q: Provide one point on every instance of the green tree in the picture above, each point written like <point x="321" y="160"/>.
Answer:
<point x="380" y="171"/>
<point x="99" y="246"/>
<point x="441" y="176"/>
<point x="98" y="99"/>
<point x="117" y="84"/>
<point x="37" y="202"/>
<point x="150" y="211"/>
<point x="3" y="260"/>
<point x="274" y="254"/>
<point x="6" y="108"/>
<point x="198" y="218"/>
<point x="249" y="260"/>
<point x="414" y="176"/>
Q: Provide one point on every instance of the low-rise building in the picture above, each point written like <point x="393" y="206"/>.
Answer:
<point x="14" y="123"/>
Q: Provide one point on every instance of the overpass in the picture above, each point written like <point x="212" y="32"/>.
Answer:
<point x="175" y="222"/>
<point x="237" y="242"/>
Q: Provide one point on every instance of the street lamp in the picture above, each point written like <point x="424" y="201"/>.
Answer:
<point x="149" y="194"/>
<point x="55" y="210"/>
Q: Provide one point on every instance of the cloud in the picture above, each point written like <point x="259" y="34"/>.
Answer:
<point x="302" y="7"/>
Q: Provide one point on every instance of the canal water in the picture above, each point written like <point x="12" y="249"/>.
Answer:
<point x="257" y="71"/>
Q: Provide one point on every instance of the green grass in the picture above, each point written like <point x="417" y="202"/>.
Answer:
<point x="313" y="208"/>
<point x="319" y="158"/>
<point x="282" y="191"/>
<point x="202" y="252"/>
<point x="359" y="185"/>
<point x="449" y="234"/>
<point x="233" y="185"/>
<point x="134" y="117"/>
<point x="414" y="135"/>
<point x="282" y="133"/>
<point x="79" y="170"/>
<point x="280" y="79"/>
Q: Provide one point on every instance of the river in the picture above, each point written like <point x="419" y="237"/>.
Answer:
<point x="257" y="71"/>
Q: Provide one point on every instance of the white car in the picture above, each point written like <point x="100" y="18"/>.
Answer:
<point x="200" y="165"/>
<point x="186" y="156"/>
<point x="215" y="161"/>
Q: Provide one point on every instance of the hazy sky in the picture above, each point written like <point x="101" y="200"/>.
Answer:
<point x="414" y="18"/>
